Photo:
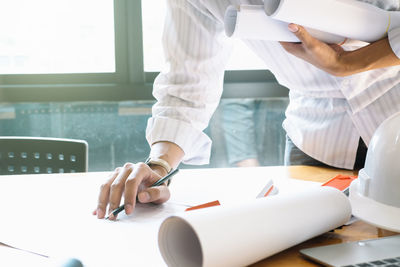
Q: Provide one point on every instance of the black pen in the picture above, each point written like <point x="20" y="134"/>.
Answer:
<point x="159" y="182"/>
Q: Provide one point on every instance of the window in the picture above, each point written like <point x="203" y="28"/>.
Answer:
<point x="62" y="36"/>
<point x="98" y="50"/>
<point x="84" y="61"/>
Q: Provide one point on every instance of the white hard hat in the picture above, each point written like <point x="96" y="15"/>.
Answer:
<point x="375" y="195"/>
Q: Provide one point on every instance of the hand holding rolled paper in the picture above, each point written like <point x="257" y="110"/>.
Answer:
<point x="331" y="21"/>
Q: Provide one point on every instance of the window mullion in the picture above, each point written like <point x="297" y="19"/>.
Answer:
<point x="135" y="42"/>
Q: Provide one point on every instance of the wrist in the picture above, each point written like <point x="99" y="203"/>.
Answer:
<point x="167" y="151"/>
<point x="159" y="163"/>
<point x="159" y="170"/>
<point x="160" y="166"/>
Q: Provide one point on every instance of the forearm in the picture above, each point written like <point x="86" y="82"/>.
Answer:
<point x="336" y="61"/>
<point x="373" y="56"/>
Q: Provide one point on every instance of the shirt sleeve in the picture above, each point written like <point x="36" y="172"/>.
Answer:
<point x="364" y="88"/>
<point x="394" y="40"/>
<point x="394" y="34"/>
<point x="189" y="89"/>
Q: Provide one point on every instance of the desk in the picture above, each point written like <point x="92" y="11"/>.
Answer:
<point x="354" y="232"/>
<point x="291" y="257"/>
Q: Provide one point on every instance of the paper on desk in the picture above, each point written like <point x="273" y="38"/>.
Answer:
<point x="239" y="235"/>
<point x="230" y="185"/>
<point x="17" y="258"/>
<point x="52" y="217"/>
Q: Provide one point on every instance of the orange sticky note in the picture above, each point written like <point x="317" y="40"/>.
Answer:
<point x="205" y="205"/>
<point x="340" y="181"/>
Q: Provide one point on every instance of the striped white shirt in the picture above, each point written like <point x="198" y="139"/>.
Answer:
<point x="326" y="116"/>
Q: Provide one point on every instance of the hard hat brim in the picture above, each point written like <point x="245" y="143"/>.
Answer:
<point x="373" y="212"/>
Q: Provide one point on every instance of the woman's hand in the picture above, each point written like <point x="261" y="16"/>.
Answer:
<point x="333" y="59"/>
<point x="131" y="180"/>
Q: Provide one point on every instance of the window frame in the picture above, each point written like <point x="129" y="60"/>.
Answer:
<point x="129" y="81"/>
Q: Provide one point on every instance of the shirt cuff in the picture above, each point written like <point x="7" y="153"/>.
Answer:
<point x="195" y="144"/>
<point x="394" y="40"/>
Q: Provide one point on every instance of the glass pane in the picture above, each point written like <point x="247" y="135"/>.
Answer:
<point x="153" y="13"/>
<point x="243" y="131"/>
<point x="56" y="36"/>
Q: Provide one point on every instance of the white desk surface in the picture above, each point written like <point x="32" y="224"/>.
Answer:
<point x="51" y="214"/>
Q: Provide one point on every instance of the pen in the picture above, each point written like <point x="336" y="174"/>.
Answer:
<point x="159" y="182"/>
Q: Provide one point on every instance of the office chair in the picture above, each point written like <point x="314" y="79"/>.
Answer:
<point x="33" y="155"/>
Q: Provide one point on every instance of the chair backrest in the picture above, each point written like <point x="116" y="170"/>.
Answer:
<point x="30" y="155"/>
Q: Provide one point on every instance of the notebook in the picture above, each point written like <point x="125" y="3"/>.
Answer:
<point x="373" y="252"/>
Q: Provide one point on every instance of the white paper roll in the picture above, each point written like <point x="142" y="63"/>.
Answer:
<point x="243" y="234"/>
<point x="352" y="19"/>
<point x="251" y="22"/>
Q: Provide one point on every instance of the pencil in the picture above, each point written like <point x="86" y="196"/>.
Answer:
<point x="162" y="180"/>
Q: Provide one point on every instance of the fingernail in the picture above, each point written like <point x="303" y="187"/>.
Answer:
<point x="100" y="213"/>
<point x="111" y="216"/>
<point x="144" y="197"/>
<point x="293" y="27"/>
<point x="128" y="209"/>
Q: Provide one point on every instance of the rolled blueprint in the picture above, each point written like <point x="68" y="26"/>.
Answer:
<point x="243" y="234"/>
<point x="351" y="19"/>
<point x="251" y="22"/>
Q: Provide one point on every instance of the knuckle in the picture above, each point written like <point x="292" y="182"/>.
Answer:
<point x="115" y="186"/>
<point x="113" y="205"/>
<point x="131" y="182"/>
<point x="101" y="205"/>
<point x="141" y="165"/>
<point x="128" y="166"/>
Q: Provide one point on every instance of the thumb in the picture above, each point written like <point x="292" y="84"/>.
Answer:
<point x="157" y="194"/>
<point x="301" y="34"/>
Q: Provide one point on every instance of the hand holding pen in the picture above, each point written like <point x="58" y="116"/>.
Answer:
<point x="129" y="180"/>
<point x="162" y="180"/>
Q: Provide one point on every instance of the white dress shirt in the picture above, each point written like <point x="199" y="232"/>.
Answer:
<point x="326" y="116"/>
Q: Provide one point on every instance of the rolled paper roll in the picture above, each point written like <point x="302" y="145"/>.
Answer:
<point x="239" y="235"/>
<point x="251" y="22"/>
<point x="351" y="19"/>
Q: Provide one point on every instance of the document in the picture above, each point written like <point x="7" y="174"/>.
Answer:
<point x="18" y="258"/>
<point x="51" y="215"/>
